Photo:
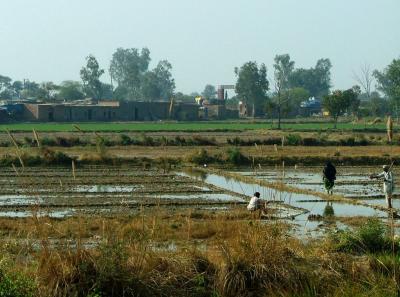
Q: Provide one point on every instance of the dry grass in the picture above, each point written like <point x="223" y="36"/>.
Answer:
<point x="259" y="151"/>
<point x="237" y="257"/>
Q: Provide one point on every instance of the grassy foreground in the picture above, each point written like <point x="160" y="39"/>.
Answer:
<point x="221" y="255"/>
<point x="184" y="126"/>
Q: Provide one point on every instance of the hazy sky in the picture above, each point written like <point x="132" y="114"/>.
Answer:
<point x="48" y="40"/>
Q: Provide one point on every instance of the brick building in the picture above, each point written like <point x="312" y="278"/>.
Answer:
<point x="110" y="111"/>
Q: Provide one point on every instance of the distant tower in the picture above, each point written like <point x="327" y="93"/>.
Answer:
<point x="222" y="95"/>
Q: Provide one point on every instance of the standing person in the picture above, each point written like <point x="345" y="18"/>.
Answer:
<point x="388" y="183"/>
<point x="389" y="128"/>
<point x="329" y="176"/>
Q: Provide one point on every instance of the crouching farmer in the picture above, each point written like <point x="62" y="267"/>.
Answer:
<point x="257" y="204"/>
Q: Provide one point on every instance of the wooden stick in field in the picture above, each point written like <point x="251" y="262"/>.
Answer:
<point x="77" y="128"/>
<point x="15" y="168"/>
<point x="12" y="139"/>
<point x="73" y="169"/>
<point x="18" y="152"/>
<point x="36" y="136"/>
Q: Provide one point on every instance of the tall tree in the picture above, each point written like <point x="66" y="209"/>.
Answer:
<point x="389" y="81"/>
<point x="90" y="75"/>
<point x="323" y="77"/>
<point x="296" y="97"/>
<point x="5" y="82"/>
<point x="252" y="86"/>
<point x="179" y="96"/>
<point x="165" y="81"/>
<point x="283" y="68"/>
<point x="376" y="105"/>
<point x="31" y="89"/>
<point x="354" y="100"/>
<point x="339" y="102"/>
<point x="209" y="92"/>
<point x="17" y="86"/>
<point x="47" y="90"/>
<point x="127" y="69"/>
<point x="365" y="79"/>
<point x="71" y="90"/>
<point x="5" y="87"/>
<point x="158" y="84"/>
<point x="316" y="80"/>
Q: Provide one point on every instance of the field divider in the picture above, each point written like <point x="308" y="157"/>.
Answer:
<point x="283" y="187"/>
<point x="19" y="207"/>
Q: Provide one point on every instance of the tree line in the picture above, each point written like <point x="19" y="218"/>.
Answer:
<point x="131" y="79"/>
<point x="280" y="96"/>
<point x="290" y="86"/>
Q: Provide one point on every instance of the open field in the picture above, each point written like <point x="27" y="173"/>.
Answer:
<point x="129" y="231"/>
<point x="153" y="220"/>
<point x="187" y="126"/>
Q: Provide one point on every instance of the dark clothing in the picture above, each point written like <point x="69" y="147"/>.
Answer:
<point x="328" y="184"/>
<point x="329" y="177"/>
<point x="329" y="172"/>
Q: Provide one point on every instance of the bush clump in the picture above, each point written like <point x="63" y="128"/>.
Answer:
<point x="369" y="238"/>
<point x="125" y="139"/>
<point x="52" y="157"/>
<point x="293" y="139"/>
<point x="200" y="157"/>
<point x="235" y="157"/>
<point x="16" y="285"/>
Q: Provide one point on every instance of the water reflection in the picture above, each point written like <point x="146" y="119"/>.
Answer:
<point x="197" y="174"/>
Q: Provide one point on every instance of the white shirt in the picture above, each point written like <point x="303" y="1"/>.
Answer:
<point x="253" y="204"/>
<point x="388" y="183"/>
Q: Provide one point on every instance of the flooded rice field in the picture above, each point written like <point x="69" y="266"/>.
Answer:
<point x="93" y="189"/>
<point x="351" y="182"/>
<point x="313" y="205"/>
<point x="59" y="192"/>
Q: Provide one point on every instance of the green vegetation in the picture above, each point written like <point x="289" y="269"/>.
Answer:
<point x="186" y="126"/>
<point x="370" y="237"/>
<point x="13" y="284"/>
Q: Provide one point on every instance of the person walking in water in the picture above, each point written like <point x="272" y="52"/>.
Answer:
<point x="388" y="183"/>
<point x="329" y="177"/>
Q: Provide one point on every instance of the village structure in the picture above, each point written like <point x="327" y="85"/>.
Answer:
<point x="90" y="110"/>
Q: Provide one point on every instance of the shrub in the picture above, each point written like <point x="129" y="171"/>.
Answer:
<point x="52" y="157"/>
<point x="16" y="285"/>
<point x="48" y="141"/>
<point x="125" y="139"/>
<point x="5" y="144"/>
<point x="29" y="141"/>
<point x="62" y="141"/>
<point x="386" y="263"/>
<point x="370" y="237"/>
<point x="75" y="141"/>
<point x="234" y="156"/>
<point x="199" y="140"/>
<point x="234" y="141"/>
<point x="293" y="139"/>
<point x="147" y="140"/>
<point x="348" y="141"/>
<point x="180" y="140"/>
<point x="200" y="157"/>
<point x="311" y="141"/>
